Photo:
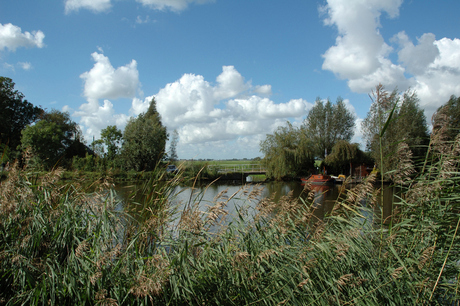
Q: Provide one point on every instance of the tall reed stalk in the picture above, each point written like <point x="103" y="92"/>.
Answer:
<point x="63" y="245"/>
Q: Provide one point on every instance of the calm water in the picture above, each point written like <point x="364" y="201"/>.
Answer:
<point x="235" y="195"/>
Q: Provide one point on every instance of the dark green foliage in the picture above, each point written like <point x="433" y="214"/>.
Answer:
<point x="52" y="140"/>
<point x="326" y="124"/>
<point x="111" y="137"/>
<point x="16" y="113"/>
<point x="344" y="155"/>
<point x="144" y="140"/>
<point x="406" y="124"/>
<point x="62" y="245"/>
<point x="287" y="152"/>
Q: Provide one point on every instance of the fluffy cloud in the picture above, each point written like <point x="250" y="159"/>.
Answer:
<point x="22" y="65"/>
<point x="11" y="38"/>
<point x="174" y="5"/>
<point x="441" y="79"/>
<point x="98" y="6"/>
<point x="228" y="113"/>
<point x="92" y="5"/>
<point x="95" y="117"/>
<point x="229" y="110"/>
<point x="103" y="81"/>
<point x="359" y="45"/>
<point x="417" y="58"/>
<point x="362" y="57"/>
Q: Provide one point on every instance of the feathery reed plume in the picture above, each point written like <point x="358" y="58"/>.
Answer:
<point x="266" y="255"/>
<point x="404" y="165"/>
<point x="81" y="249"/>
<point x="190" y="220"/>
<point x="151" y="280"/>
<point x="362" y="191"/>
<point x="426" y="257"/>
<point x="344" y="280"/>
<point x="303" y="283"/>
<point x="397" y="272"/>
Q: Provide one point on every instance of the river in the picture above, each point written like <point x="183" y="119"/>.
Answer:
<point x="235" y="195"/>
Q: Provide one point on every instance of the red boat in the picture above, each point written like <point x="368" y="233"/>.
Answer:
<point x="318" y="179"/>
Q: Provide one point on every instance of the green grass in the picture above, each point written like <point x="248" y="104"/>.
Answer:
<point x="65" y="244"/>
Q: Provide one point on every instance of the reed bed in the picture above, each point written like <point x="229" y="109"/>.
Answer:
<point x="63" y="245"/>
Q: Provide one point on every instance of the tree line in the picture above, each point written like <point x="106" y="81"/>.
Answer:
<point x="325" y="136"/>
<point x="51" y="138"/>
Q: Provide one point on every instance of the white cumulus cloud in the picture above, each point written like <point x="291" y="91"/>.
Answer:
<point x="441" y="79"/>
<point x="225" y="118"/>
<point x="96" y="6"/>
<point x="359" y="44"/>
<point x="417" y="57"/>
<point x="229" y="110"/>
<point x="103" y="81"/>
<point x="94" y="117"/>
<point x="363" y="58"/>
<point x="12" y="37"/>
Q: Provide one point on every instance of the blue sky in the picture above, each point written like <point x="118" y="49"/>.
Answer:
<point x="226" y="72"/>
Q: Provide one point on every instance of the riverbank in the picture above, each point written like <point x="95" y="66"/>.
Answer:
<point x="62" y="243"/>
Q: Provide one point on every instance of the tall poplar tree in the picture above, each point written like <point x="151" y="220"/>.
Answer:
<point x="144" y="140"/>
<point x="327" y="123"/>
<point x="394" y="118"/>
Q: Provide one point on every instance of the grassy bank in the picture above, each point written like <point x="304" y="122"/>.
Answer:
<point x="63" y="245"/>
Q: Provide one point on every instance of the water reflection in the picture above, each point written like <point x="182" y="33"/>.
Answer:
<point x="234" y="195"/>
<point x="323" y="199"/>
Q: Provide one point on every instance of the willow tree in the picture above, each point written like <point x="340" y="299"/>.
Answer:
<point x="287" y="152"/>
<point x="327" y="123"/>
<point x="144" y="140"/>
<point x="344" y="154"/>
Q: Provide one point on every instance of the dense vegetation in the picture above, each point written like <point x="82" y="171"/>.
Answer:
<point x="54" y="140"/>
<point x="328" y="129"/>
<point x="66" y="244"/>
<point x="70" y="243"/>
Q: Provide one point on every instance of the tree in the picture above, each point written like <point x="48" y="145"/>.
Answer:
<point x="97" y="146"/>
<point x="144" y="140"/>
<point x="344" y="154"/>
<point x="16" y="113"/>
<point x="53" y="139"/>
<point x="326" y="124"/>
<point x="172" y="149"/>
<point x="287" y="152"/>
<point x="111" y="137"/>
<point x="390" y="121"/>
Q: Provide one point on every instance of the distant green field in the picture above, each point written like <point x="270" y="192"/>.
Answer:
<point x="233" y="162"/>
<point x="228" y="165"/>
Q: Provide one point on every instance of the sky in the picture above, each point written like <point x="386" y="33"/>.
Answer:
<point x="225" y="73"/>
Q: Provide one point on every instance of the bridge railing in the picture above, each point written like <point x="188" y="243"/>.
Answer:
<point x="241" y="168"/>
